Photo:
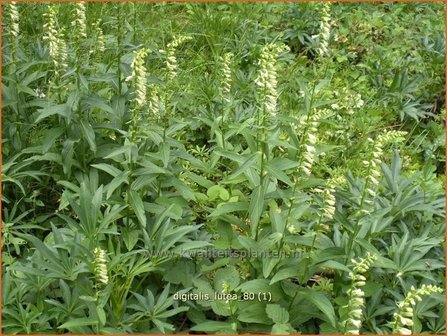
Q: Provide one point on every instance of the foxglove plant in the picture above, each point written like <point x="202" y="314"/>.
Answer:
<point x="138" y="76"/>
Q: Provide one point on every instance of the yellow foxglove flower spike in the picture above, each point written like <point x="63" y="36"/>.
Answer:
<point x="171" y="59"/>
<point x="14" y="17"/>
<point x="100" y="266"/>
<point x="80" y="21"/>
<point x="325" y="28"/>
<point x="403" y="317"/>
<point x="353" y="319"/>
<point x="55" y="37"/>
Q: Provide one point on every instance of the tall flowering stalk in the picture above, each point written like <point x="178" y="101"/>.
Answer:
<point x="154" y="101"/>
<point x="226" y="84"/>
<point x="227" y="80"/>
<point x="139" y="79"/>
<point x="14" y="20"/>
<point x="266" y="79"/>
<point x="373" y="165"/>
<point x="353" y="317"/>
<point x="171" y="59"/>
<point x="100" y="46"/>
<point x="403" y="318"/>
<point x="325" y="28"/>
<point x="373" y="175"/>
<point x="79" y="22"/>
<point x="139" y="76"/>
<point x="328" y="199"/>
<point x="373" y="168"/>
<point x="310" y="140"/>
<point x="55" y="38"/>
<point x="100" y="266"/>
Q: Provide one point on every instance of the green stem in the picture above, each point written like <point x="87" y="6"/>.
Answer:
<point x="262" y="120"/>
<point x="300" y="157"/>
<point x="119" y="49"/>
<point x="357" y="226"/>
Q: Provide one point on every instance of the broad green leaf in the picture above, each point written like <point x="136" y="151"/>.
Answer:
<point x="322" y="303"/>
<point x="217" y="327"/>
<point x="277" y="313"/>
<point x="62" y="110"/>
<point x="254" y="313"/>
<point x="78" y="322"/>
<point x="226" y="208"/>
<point x="107" y="168"/>
<point x="118" y="180"/>
<point x="89" y="134"/>
<point x="227" y="276"/>
<point x="245" y="166"/>
<point x="256" y="208"/>
<point x="137" y="205"/>
<point x="280" y="329"/>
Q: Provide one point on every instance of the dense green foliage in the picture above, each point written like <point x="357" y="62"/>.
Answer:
<point x="143" y="142"/>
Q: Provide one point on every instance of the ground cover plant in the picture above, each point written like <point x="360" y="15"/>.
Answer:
<point x="285" y="158"/>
